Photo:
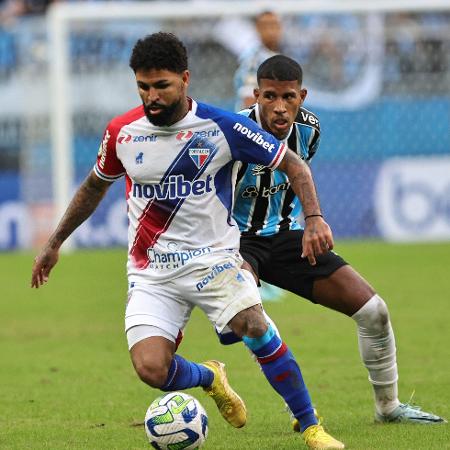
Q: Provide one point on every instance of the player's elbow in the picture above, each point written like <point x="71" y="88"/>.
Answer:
<point x="292" y="165"/>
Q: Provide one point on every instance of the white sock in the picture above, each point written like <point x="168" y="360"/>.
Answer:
<point x="378" y="352"/>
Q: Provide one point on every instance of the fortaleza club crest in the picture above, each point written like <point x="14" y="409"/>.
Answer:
<point x="199" y="156"/>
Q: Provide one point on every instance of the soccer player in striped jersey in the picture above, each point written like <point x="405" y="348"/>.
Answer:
<point x="177" y="157"/>
<point x="267" y="210"/>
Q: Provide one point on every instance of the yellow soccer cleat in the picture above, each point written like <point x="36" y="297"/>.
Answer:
<point x="230" y="405"/>
<point x="317" y="438"/>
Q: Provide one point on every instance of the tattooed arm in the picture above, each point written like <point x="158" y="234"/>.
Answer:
<point x="83" y="204"/>
<point x="317" y="238"/>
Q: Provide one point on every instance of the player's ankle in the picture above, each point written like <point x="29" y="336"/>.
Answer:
<point x="386" y="407"/>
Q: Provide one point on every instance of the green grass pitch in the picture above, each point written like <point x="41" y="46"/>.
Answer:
<point x="66" y="381"/>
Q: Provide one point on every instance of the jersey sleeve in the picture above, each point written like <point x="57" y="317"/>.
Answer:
<point x="313" y="145"/>
<point x="308" y="130"/>
<point x="108" y="166"/>
<point x="251" y="144"/>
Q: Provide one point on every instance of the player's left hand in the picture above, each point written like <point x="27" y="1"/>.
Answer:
<point x="317" y="239"/>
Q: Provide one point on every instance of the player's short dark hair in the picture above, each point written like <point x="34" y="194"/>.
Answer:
<point x="160" y="51"/>
<point x="266" y="12"/>
<point x="280" y="68"/>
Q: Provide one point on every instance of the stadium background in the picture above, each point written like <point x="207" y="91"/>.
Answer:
<point x="380" y="84"/>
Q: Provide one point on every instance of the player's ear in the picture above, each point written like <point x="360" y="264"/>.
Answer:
<point x="303" y="94"/>
<point x="185" y="76"/>
<point x="256" y="93"/>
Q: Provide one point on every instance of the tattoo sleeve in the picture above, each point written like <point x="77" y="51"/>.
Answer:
<point x="82" y="205"/>
<point x="301" y="181"/>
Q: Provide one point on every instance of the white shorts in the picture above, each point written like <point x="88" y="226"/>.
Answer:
<point x="216" y="284"/>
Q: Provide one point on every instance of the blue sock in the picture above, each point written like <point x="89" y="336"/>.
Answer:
<point x="184" y="374"/>
<point x="283" y="373"/>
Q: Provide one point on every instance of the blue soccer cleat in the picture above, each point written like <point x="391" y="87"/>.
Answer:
<point x="407" y="413"/>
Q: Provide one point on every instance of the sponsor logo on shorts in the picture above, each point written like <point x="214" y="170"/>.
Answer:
<point x="175" y="259"/>
<point x="254" y="136"/>
<point x="216" y="270"/>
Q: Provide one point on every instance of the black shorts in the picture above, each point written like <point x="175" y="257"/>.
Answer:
<point x="276" y="260"/>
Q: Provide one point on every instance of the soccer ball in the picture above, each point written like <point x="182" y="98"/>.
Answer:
<point x="176" y="421"/>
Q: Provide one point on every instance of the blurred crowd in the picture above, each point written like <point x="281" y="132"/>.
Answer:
<point x="13" y="10"/>
<point x="333" y="49"/>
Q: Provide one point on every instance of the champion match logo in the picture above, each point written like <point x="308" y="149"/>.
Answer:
<point x="199" y="156"/>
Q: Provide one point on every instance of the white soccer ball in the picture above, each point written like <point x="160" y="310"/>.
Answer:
<point x="176" y="421"/>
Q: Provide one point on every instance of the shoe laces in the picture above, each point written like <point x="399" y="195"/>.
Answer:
<point x="316" y="432"/>
<point x="409" y="404"/>
<point x="410" y="398"/>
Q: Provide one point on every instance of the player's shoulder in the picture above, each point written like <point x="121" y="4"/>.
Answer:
<point x="306" y="118"/>
<point x="126" y="118"/>
<point x="248" y="112"/>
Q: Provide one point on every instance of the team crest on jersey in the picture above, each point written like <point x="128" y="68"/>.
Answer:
<point x="199" y="156"/>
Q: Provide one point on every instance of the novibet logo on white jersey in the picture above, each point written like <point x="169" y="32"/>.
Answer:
<point x="255" y="137"/>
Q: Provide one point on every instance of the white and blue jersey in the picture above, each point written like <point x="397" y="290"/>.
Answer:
<point x="180" y="183"/>
<point x="264" y="201"/>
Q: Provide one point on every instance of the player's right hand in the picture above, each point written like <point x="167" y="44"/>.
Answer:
<point x="317" y="239"/>
<point x="43" y="264"/>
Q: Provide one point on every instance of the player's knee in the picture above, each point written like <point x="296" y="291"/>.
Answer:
<point x="374" y="315"/>
<point x="250" y="322"/>
<point x="381" y="317"/>
<point x="154" y="373"/>
<point x="256" y="324"/>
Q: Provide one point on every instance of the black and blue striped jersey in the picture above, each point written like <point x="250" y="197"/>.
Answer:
<point x="264" y="202"/>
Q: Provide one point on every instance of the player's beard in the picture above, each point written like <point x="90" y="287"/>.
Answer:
<point x="166" y="117"/>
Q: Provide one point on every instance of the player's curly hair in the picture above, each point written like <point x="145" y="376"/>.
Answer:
<point x="160" y="51"/>
<point x="280" y="68"/>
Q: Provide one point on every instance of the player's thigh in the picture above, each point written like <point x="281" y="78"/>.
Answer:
<point x="345" y="290"/>
<point x="288" y="270"/>
<point x="221" y="288"/>
<point x="255" y="250"/>
<point x="155" y="310"/>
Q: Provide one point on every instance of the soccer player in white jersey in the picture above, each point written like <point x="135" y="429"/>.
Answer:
<point x="177" y="156"/>
<point x="266" y="210"/>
